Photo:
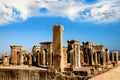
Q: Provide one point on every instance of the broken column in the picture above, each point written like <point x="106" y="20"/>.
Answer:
<point x="88" y="51"/>
<point x="36" y="55"/>
<point x="115" y="57"/>
<point x="96" y="60"/>
<point x="74" y="53"/>
<point x="103" y="54"/>
<point x="20" y="56"/>
<point x="30" y="59"/>
<point x="107" y="56"/>
<point x="65" y="55"/>
<point x="15" y="50"/>
<point x="5" y="59"/>
<point x="43" y="57"/>
<point x="46" y="47"/>
<point x="58" y="47"/>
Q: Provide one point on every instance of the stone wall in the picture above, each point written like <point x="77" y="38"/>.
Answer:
<point x="21" y="74"/>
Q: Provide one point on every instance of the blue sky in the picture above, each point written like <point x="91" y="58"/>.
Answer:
<point x="30" y="22"/>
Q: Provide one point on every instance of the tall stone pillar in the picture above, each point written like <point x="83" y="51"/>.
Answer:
<point x="20" y="56"/>
<point x="103" y="56"/>
<point x="74" y="53"/>
<point x="78" y="58"/>
<point x="71" y="56"/>
<point x="36" y="55"/>
<point x="113" y="60"/>
<point x="46" y="48"/>
<point x="30" y="59"/>
<point x="96" y="61"/>
<point x="88" y="59"/>
<point x="43" y="57"/>
<point x="58" y="47"/>
<point x="50" y="54"/>
<point x="115" y="57"/>
<point x="88" y="51"/>
<point x="98" y="56"/>
<point x="13" y="56"/>
<point x="92" y="63"/>
<point x="107" y="56"/>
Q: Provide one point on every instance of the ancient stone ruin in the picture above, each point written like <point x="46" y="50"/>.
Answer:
<point x="52" y="61"/>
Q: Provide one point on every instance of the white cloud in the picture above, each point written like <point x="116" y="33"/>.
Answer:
<point x="75" y="10"/>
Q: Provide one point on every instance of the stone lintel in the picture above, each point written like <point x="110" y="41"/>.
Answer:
<point x="45" y="42"/>
<point x="15" y="46"/>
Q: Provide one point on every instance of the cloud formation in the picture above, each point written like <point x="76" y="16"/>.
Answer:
<point x="101" y="11"/>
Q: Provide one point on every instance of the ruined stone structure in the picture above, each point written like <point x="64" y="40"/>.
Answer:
<point x="16" y="55"/>
<point x="58" y="47"/>
<point x="5" y="59"/>
<point x="46" y="53"/>
<point x="19" y="56"/>
<point x="115" y="57"/>
<point x="94" y="54"/>
<point x="36" y="55"/>
<point x="74" y="53"/>
<point x="88" y="52"/>
<point x="100" y="55"/>
<point x="55" y="62"/>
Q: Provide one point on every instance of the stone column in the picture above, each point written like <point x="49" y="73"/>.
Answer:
<point x="21" y="59"/>
<point x="50" y="59"/>
<point x="71" y="57"/>
<point x="96" y="61"/>
<point x="13" y="56"/>
<point x="88" y="60"/>
<point x="113" y="57"/>
<point x="104" y="58"/>
<point x="43" y="58"/>
<point x="5" y="59"/>
<point x="113" y="60"/>
<point x="58" y="47"/>
<point x="46" y="57"/>
<point x="92" y="63"/>
<point x="15" y="50"/>
<point x="50" y="55"/>
<point x="98" y="54"/>
<point x="117" y="57"/>
<point x="30" y="59"/>
<point x="107" y="56"/>
<point x="39" y="58"/>
<point x="78" y="59"/>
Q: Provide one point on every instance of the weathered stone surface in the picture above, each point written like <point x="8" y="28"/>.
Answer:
<point x="5" y="59"/>
<point x="58" y="47"/>
<point x="22" y="73"/>
<point x="73" y="53"/>
<point x="46" y="53"/>
<point x="15" y="54"/>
